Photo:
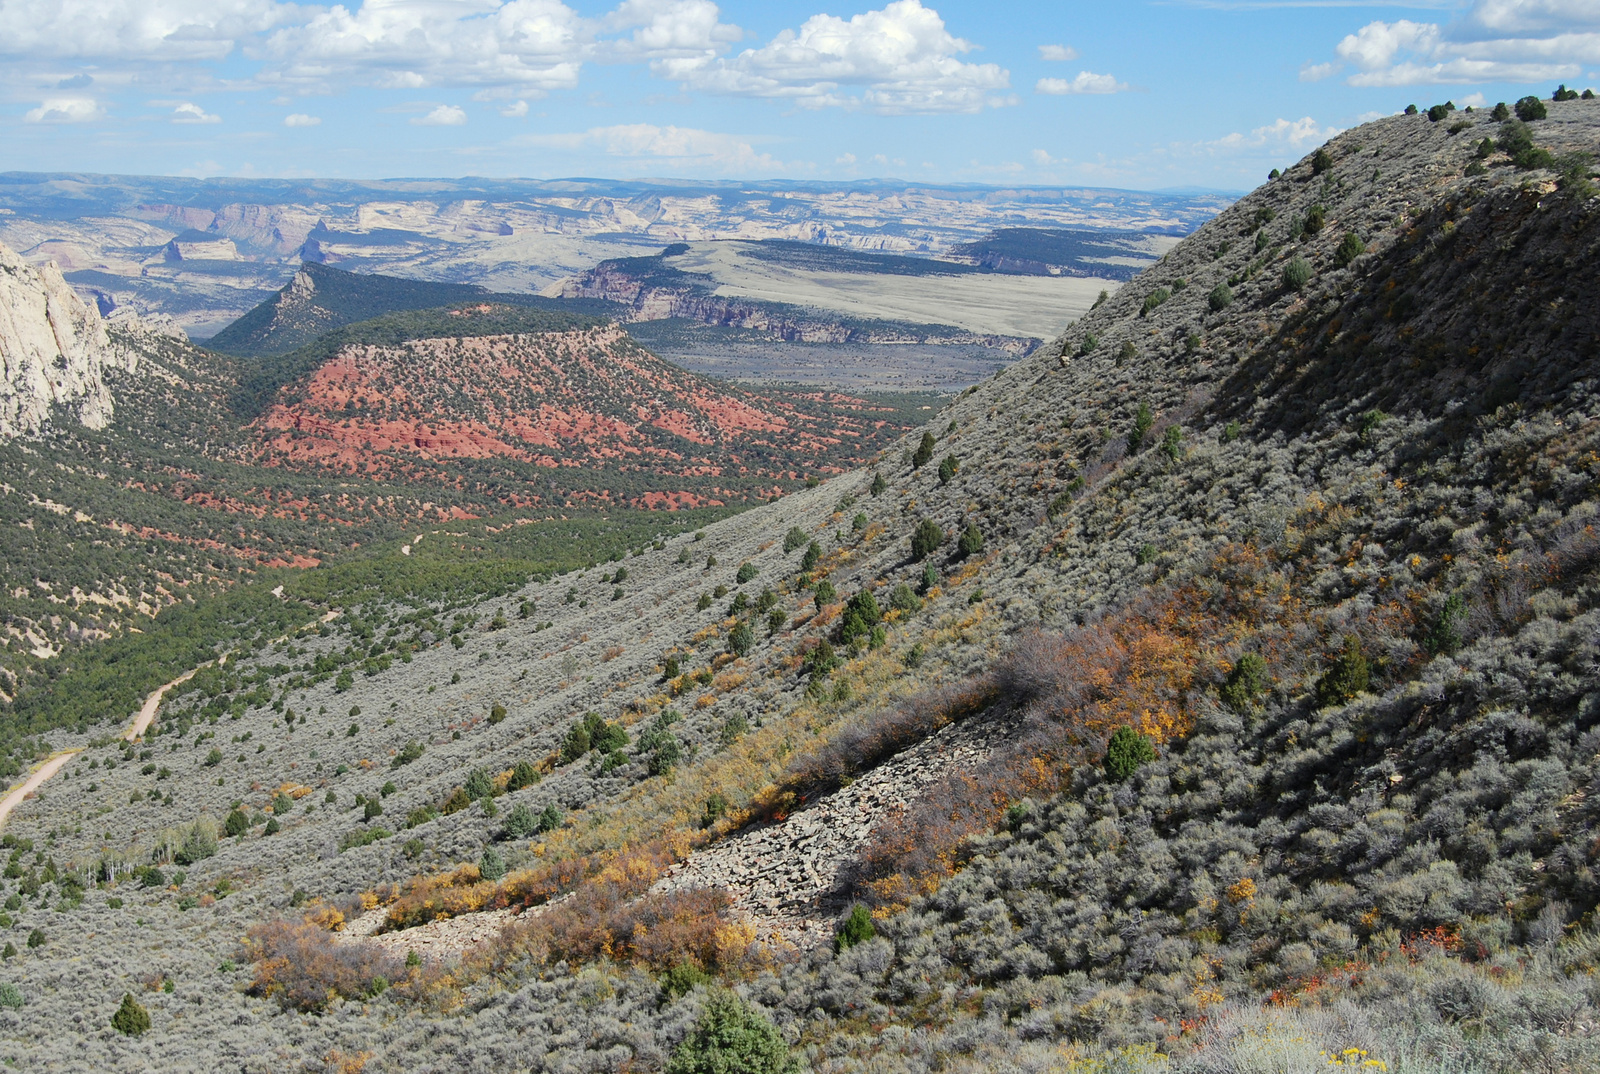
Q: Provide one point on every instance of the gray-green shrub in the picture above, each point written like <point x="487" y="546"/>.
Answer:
<point x="1296" y="274"/>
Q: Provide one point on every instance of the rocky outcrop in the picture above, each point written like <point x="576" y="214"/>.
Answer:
<point x="54" y="351"/>
<point x="791" y="878"/>
<point x="217" y="248"/>
<point x="645" y="300"/>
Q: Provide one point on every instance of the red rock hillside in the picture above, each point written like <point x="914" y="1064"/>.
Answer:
<point x="572" y="416"/>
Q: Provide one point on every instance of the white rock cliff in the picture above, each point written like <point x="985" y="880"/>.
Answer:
<point x="54" y="350"/>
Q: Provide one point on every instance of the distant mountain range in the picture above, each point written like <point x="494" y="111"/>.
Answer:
<point x="238" y="240"/>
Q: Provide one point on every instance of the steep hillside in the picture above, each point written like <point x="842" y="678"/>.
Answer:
<point x="320" y="299"/>
<point x="1214" y="689"/>
<point x="221" y="471"/>
<point x="571" y="410"/>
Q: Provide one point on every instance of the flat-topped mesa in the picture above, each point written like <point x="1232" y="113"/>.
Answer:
<point x="54" y="351"/>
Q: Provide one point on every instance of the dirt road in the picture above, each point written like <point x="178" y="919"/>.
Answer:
<point x="33" y="782"/>
<point x="141" y="723"/>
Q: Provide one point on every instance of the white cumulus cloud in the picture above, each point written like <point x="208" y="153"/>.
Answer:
<point x="1058" y="53"/>
<point x="65" y="110"/>
<point x="136" y="30"/>
<point x="899" y="59"/>
<point x="446" y="115"/>
<point x="535" y="45"/>
<point x="300" y="119"/>
<point x="1291" y="133"/>
<point x="1086" y="82"/>
<point x="1497" y="41"/>
<point x="515" y="109"/>
<point x="664" y="29"/>
<point x="189" y="112"/>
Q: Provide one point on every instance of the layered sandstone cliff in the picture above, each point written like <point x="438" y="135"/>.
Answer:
<point x="54" y="351"/>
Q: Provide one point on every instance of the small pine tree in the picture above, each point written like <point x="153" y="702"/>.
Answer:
<point x="1321" y="161"/>
<point x="491" y="866"/>
<point x="823" y="594"/>
<point x="130" y="1019"/>
<point x="1296" y="274"/>
<point x="237" y="823"/>
<point x="732" y="1038"/>
<point x="1445" y="637"/>
<point x="926" y="540"/>
<point x="901" y="598"/>
<point x="1350" y="675"/>
<point x="741" y="639"/>
<point x="812" y="557"/>
<point x="575" y="745"/>
<point x="1126" y="752"/>
<point x="948" y="468"/>
<point x="924" y="451"/>
<point x="11" y="996"/>
<point x="681" y="979"/>
<point x="497" y="713"/>
<point x="1350" y="248"/>
<point x="1530" y="109"/>
<point x="795" y="538"/>
<point x="1501" y="113"/>
<point x="1143" y="418"/>
<point x="854" y="929"/>
<point x="878" y="485"/>
<point x="1172" y="442"/>
<point x="746" y="572"/>
<point x="1220" y="298"/>
<point x="971" y="541"/>
<point x="822" y="659"/>
<point x="523" y="775"/>
<point x="1246" y="682"/>
<point x="479" y="784"/>
<point x="550" y="818"/>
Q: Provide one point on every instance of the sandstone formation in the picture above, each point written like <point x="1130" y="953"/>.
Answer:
<point x="54" y="350"/>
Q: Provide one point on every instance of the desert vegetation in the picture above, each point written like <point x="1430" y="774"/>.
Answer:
<point x="1267" y="646"/>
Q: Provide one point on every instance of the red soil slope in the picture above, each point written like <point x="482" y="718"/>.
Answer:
<point x="592" y="401"/>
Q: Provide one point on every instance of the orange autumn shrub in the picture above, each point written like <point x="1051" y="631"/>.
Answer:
<point x="301" y="966"/>
<point x="1064" y="694"/>
<point x="463" y="891"/>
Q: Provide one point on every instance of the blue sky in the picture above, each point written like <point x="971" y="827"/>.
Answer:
<point x="1139" y="95"/>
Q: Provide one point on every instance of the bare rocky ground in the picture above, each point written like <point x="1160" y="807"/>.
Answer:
<point x="1073" y="525"/>
<point x="789" y="878"/>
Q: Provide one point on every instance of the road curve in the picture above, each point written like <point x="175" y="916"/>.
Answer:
<point x="141" y="722"/>
<point x="33" y="782"/>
